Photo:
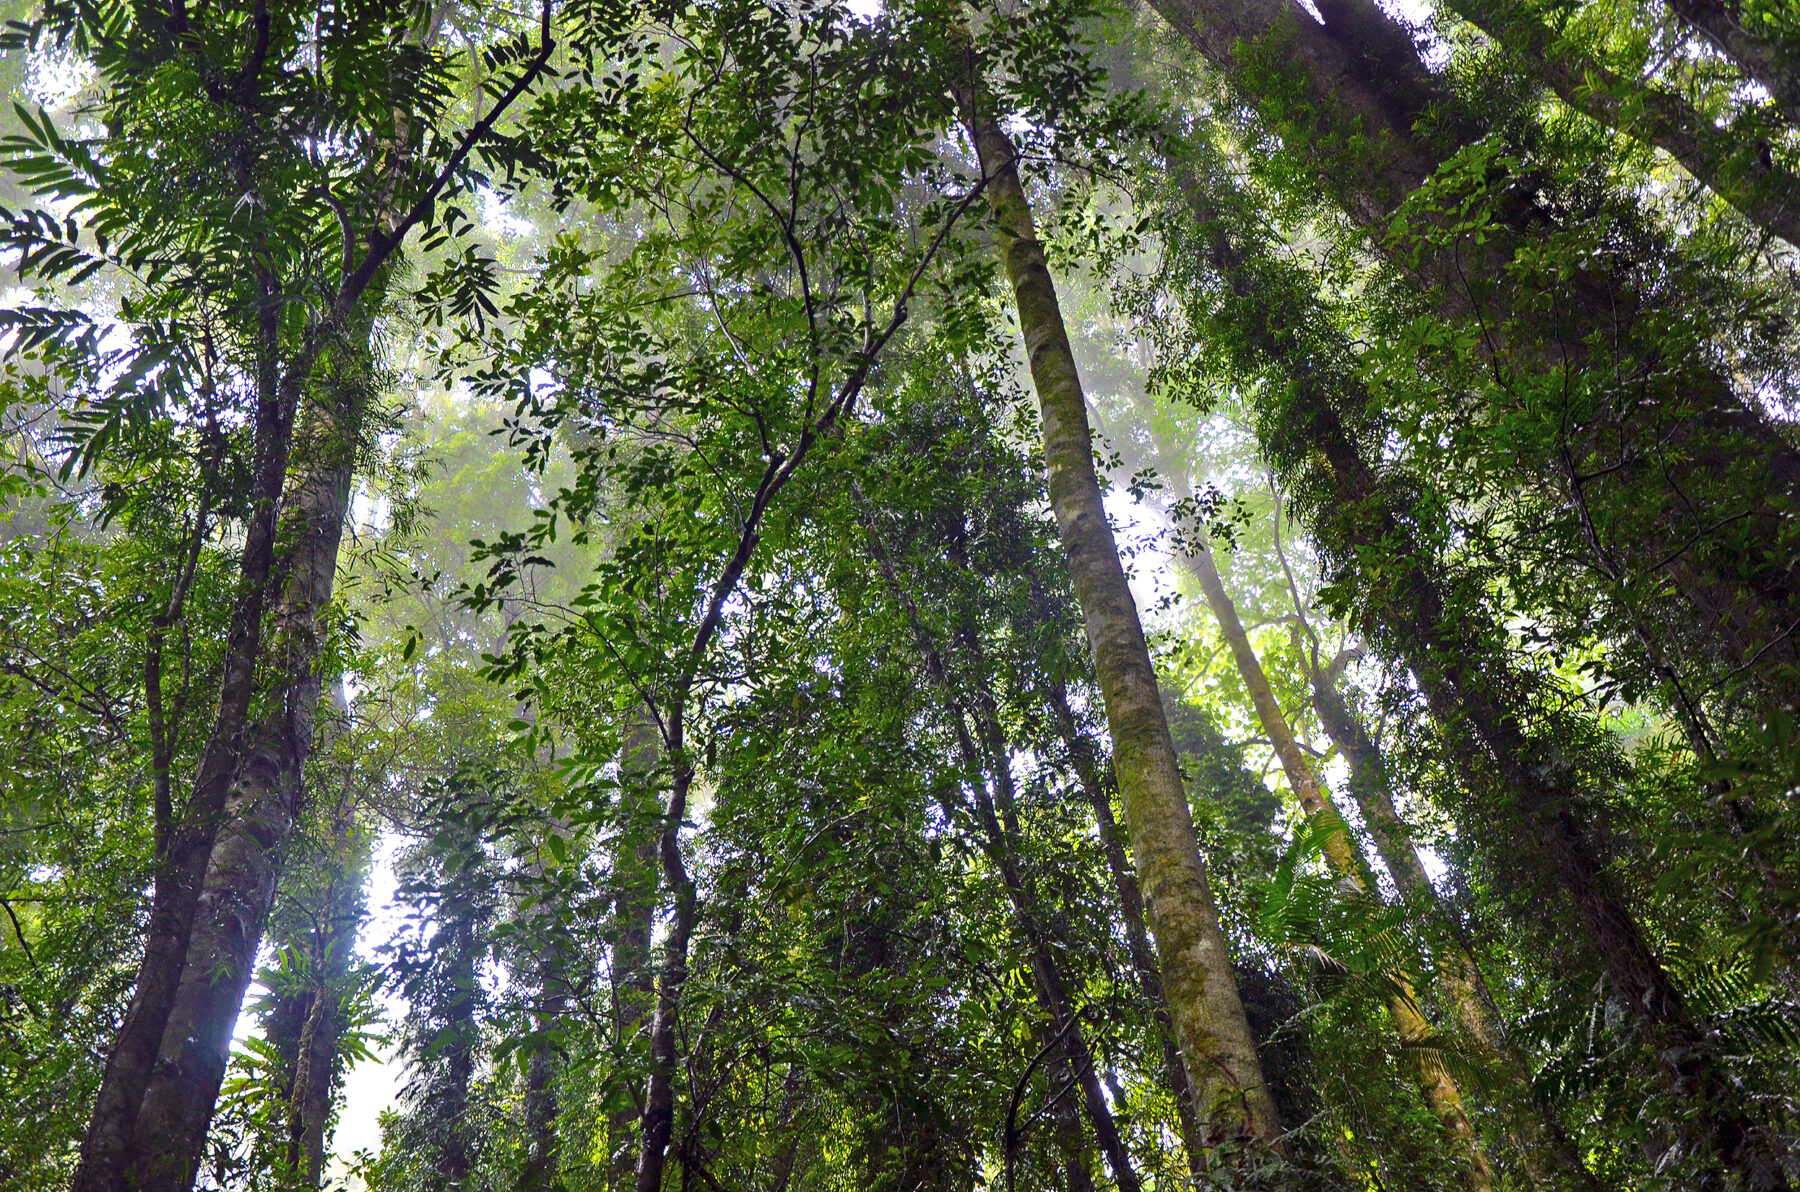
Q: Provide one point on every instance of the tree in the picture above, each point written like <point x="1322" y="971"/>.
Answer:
<point x="1215" y="1039"/>
<point x="211" y="258"/>
<point x="1289" y="681"/>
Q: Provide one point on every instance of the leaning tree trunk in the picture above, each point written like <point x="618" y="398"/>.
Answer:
<point x="1461" y="667"/>
<point x="1765" y="52"/>
<point x="1729" y="158"/>
<point x="1201" y="989"/>
<point x="1688" y="487"/>
<point x="1065" y="1120"/>
<point x="1345" y="859"/>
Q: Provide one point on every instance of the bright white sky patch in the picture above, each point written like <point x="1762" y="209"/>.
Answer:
<point x="370" y="1088"/>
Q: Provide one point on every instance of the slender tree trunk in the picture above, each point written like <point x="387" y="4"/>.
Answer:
<point x="999" y="835"/>
<point x="454" y="1050"/>
<point x="787" y="1159"/>
<point x="235" y="898"/>
<point x="658" y="1116"/>
<point x="549" y="954"/>
<point x="539" y="1171"/>
<point x="1547" y="1152"/>
<point x="1470" y="686"/>
<point x="1131" y="905"/>
<point x="310" y="1113"/>
<point x="1070" y="1060"/>
<point x="1065" y="1118"/>
<point x="1002" y="833"/>
<point x="1462" y="980"/>
<point x="657" y="1121"/>
<point x="316" y="1056"/>
<point x="1344" y="857"/>
<point x="635" y="884"/>
<point x="1201" y="989"/>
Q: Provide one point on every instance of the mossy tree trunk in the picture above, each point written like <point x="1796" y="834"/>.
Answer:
<point x="1096" y="788"/>
<point x="1201" y="989"/>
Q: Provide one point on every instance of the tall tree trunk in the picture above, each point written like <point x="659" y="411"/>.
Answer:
<point x="333" y="941"/>
<point x="110" y="1144"/>
<point x="548" y="957"/>
<point x="1065" y="1118"/>
<point x="1730" y="159"/>
<point x="1658" y="483"/>
<point x="1201" y="989"/>
<point x="1547" y="1152"/>
<point x="453" y="1053"/>
<point x="1002" y="833"/>
<point x="635" y="887"/>
<point x="657" y="1121"/>
<point x="241" y="874"/>
<point x="539" y="1171"/>
<point x="1469" y="683"/>
<point x="248" y="775"/>
<point x="1072" y="1057"/>
<point x="309" y="1110"/>
<point x="1344" y="857"/>
<point x="1082" y="756"/>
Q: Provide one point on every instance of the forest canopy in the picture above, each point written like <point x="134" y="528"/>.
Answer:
<point x="922" y="595"/>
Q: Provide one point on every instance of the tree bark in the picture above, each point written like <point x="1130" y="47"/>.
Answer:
<point x="1664" y="482"/>
<point x="1469" y="683"/>
<point x="316" y="1058"/>
<point x="1545" y="1149"/>
<point x="239" y="888"/>
<point x="540" y="1171"/>
<point x="1344" y="857"/>
<point x="110" y="1143"/>
<point x="657" y="1121"/>
<point x="249" y="775"/>
<point x="635" y="890"/>
<point x="453" y="1054"/>
<point x="1065" y="1118"/>
<point x="1201" y="989"/>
